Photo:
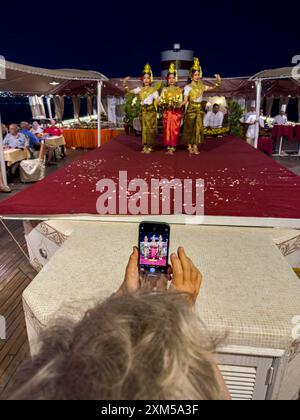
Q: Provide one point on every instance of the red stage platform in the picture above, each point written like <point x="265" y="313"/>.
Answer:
<point x="239" y="180"/>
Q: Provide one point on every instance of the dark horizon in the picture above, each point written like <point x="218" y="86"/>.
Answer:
<point x="227" y="37"/>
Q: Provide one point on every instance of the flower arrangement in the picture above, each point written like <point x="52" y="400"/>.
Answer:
<point x="131" y="108"/>
<point x="168" y="101"/>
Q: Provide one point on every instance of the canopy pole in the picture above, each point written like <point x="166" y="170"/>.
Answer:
<point x="2" y="160"/>
<point x="49" y="107"/>
<point x="258" y="103"/>
<point x="99" y="107"/>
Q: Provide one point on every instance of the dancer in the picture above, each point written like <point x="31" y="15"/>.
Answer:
<point x="153" y="248"/>
<point x="170" y="100"/>
<point x="149" y="101"/>
<point x="145" y="248"/>
<point x="160" y="248"/>
<point x="193" y="93"/>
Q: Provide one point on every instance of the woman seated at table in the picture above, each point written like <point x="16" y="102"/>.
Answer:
<point x="37" y="130"/>
<point x="14" y="139"/>
<point x="53" y="130"/>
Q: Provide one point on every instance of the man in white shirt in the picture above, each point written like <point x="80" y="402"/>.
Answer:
<point x="252" y="112"/>
<point x="214" y="118"/>
<point x="281" y="119"/>
<point x="251" y="122"/>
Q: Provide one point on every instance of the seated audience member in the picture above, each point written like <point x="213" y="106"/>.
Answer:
<point x="4" y="130"/>
<point x="3" y="189"/>
<point x="143" y="343"/>
<point x="36" y="129"/>
<point x="214" y="118"/>
<point x="14" y="139"/>
<point x="281" y="119"/>
<point x="53" y="130"/>
<point x="34" y="142"/>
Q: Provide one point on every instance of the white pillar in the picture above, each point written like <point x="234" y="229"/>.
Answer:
<point x="99" y="107"/>
<point x="48" y="99"/>
<point x="258" y="102"/>
<point x="2" y="160"/>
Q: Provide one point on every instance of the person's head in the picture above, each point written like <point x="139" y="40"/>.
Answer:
<point x="4" y="129"/>
<point x="13" y="129"/>
<point x="35" y="125"/>
<point x="146" y="239"/>
<point x="24" y="125"/>
<point x="195" y="76"/>
<point x="196" y="71"/>
<point x="171" y="79"/>
<point x="172" y="75"/>
<point x="261" y="112"/>
<point x="146" y="79"/>
<point x="147" y="346"/>
<point x="283" y="110"/>
<point x="147" y="75"/>
<point x="53" y="123"/>
<point x="216" y="108"/>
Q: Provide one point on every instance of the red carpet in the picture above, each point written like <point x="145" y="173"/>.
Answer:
<point x="239" y="180"/>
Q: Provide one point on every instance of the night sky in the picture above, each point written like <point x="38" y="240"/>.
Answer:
<point x="117" y="38"/>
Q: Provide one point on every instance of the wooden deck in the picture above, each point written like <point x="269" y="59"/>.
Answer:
<point x="15" y="275"/>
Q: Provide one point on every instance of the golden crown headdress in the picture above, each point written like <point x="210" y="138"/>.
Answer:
<point x="196" y="67"/>
<point x="172" y="70"/>
<point x="148" y="70"/>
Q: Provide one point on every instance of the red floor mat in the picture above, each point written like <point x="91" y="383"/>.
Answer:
<point x="239" y="180"/>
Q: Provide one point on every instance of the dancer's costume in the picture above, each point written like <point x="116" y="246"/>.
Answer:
<point x="153" y="249"/>
<point x="170" y="99"/>
<point x="193" y="121"/>
<point x="148" y="113"/>
<point x="160" y="249"/>
<point x="145" y="249"/>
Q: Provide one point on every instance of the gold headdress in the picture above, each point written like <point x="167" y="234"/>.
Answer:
<point x="196" y="67"/>
<point x="148" y="70"/>
<point x="172" y="70"/>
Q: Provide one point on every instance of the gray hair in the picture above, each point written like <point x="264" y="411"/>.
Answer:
<point x="132" y="347"/>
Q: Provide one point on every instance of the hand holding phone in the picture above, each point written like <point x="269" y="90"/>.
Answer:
<point x="154" y="244"/>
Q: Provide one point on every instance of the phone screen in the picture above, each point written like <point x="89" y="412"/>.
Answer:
<point x="154" y="240"/>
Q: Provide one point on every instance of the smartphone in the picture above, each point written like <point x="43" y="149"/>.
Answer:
<point x="154" y="244"/>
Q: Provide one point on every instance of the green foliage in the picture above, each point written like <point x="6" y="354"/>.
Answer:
<point x="235" y="113"/>
<point x="132" y="107"/>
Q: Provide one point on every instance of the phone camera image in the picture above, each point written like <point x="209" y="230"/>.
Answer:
<point x="154" y="247"/>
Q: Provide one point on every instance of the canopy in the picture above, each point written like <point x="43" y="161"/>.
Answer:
<point x="281" y="73"/>
<point x="278" y="82"/>
<point x="21" y="79"/>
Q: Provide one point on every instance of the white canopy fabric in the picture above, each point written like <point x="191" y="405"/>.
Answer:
<point x="21" y="79"/>
<point x="281" y="73"/>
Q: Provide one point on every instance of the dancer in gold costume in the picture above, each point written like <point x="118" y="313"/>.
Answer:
<point x="193" y="94"/>
<point x="149" y="98"/>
